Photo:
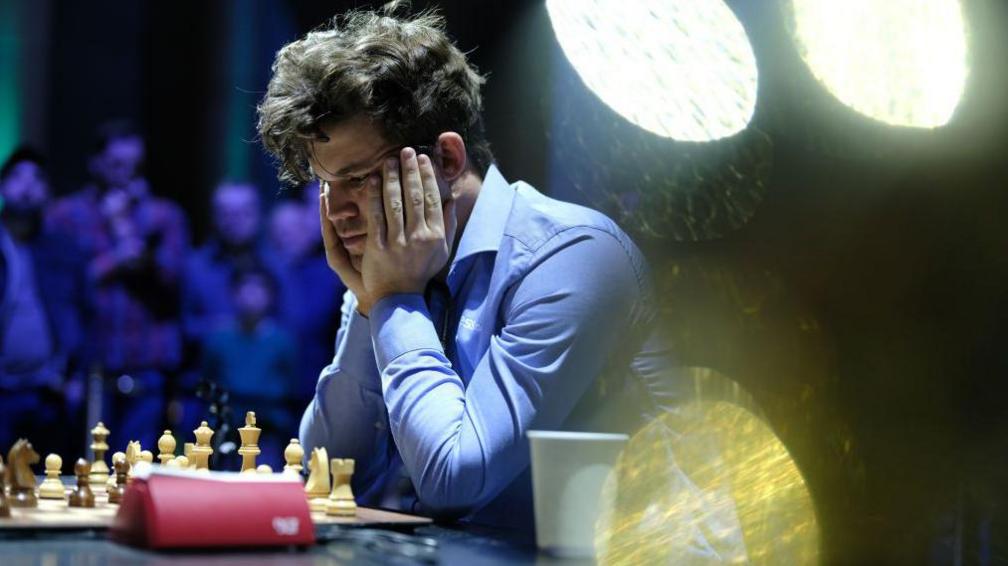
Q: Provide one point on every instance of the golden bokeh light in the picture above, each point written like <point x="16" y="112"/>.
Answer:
<point x="706" y="483"/>
<point x="903" y="62"/>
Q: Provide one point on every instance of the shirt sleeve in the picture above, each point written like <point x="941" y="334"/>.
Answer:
<point x="463" y="444"/>
<point x="347" y="414"/>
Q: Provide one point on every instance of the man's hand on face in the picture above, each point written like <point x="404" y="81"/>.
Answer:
<point x="409" y="236"/>
<point x="408" y="241"/>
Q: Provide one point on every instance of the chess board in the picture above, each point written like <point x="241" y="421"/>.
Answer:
<point x="57" y="515"/>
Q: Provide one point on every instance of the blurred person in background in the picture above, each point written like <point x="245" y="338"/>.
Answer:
<point x="254" y="359"/>
<point x="236" y="244"/>
<point x="42" y="297"/>
<point x="312" y="308"/>
<point x="310" y="196"/>
<point x="135" y="244"/>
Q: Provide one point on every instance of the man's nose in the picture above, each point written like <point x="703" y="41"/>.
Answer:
<point x="343" y="207"/>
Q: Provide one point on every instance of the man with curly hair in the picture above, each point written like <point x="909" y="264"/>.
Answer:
<point x="477" y="309"/>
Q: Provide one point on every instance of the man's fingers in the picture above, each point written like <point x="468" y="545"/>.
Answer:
<point x="379" y="233"/>
<point x="413" y="191"/>
<point x="391" y="196"/>
<point x="431" y="196"/>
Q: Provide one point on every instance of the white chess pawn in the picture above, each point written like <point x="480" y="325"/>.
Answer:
<point x="111" y="483"/>
<point x="294" y="454"/>
<point x="52" y="487"/>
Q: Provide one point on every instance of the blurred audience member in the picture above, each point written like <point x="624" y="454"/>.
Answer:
<point x="135" y="244"/>
<point x="41" y="295"/>
<point x="313" y="291"/>
<point x="253" y="359"/>
<point x="236" y="244"/>
<point x="289" y="236"/>
<point x="310" y="197"/>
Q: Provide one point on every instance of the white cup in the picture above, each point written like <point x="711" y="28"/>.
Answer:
<point x="568" y="470"/>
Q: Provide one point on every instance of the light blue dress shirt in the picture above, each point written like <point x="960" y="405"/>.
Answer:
<point x="546" y="296"/>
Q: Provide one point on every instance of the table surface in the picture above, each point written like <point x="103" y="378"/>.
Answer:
<point x="433" y="544"/>
<point x="424" y="545"/>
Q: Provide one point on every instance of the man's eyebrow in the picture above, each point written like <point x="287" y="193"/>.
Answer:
<point x="368" y="161"/>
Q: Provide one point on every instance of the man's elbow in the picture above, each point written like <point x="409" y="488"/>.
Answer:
<point x="455" y="492"/>
<point x="446" y="506"/>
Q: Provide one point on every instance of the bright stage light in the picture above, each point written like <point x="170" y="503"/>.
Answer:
<point x="899" y="61"/>
<point x="682" y="69"/>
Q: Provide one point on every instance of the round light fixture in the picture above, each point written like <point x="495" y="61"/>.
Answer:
<point x="902" y="62"/>
<point x="682" y="69"/>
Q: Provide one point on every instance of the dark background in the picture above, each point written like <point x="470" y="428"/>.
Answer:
<point x="860" y="299"/>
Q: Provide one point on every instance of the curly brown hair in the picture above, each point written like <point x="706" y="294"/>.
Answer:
<point x="402" y="73"/>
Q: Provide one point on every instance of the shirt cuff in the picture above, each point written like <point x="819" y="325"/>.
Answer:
<point x="399" y="324"/>
<point x="355" y="356"/>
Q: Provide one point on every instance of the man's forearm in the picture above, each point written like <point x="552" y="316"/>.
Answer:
<point x="347" y="414"/>
<point x="463" y="441"/>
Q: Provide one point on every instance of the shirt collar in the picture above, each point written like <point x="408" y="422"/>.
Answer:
<point x="485" y="228"/>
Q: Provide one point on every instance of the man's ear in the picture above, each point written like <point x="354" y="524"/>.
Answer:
<point x="450" y="155"/>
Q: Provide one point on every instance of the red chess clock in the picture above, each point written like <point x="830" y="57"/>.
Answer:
<point x="169" y="508"/>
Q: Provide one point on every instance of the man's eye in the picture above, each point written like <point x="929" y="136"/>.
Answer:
<point x="357" y="182"/>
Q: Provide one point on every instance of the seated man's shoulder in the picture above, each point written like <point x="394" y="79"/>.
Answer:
<point x="538" y="219"/>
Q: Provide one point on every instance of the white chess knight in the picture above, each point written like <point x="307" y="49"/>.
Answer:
<point x="317" y="486"/>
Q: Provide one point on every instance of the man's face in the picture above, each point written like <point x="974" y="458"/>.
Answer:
<point x="236" y="214"/>
<point x="252" y="297"/>
<point x="120" y="162"/>
<point x="354" y="152"/>
<point x="25" y="188"/>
